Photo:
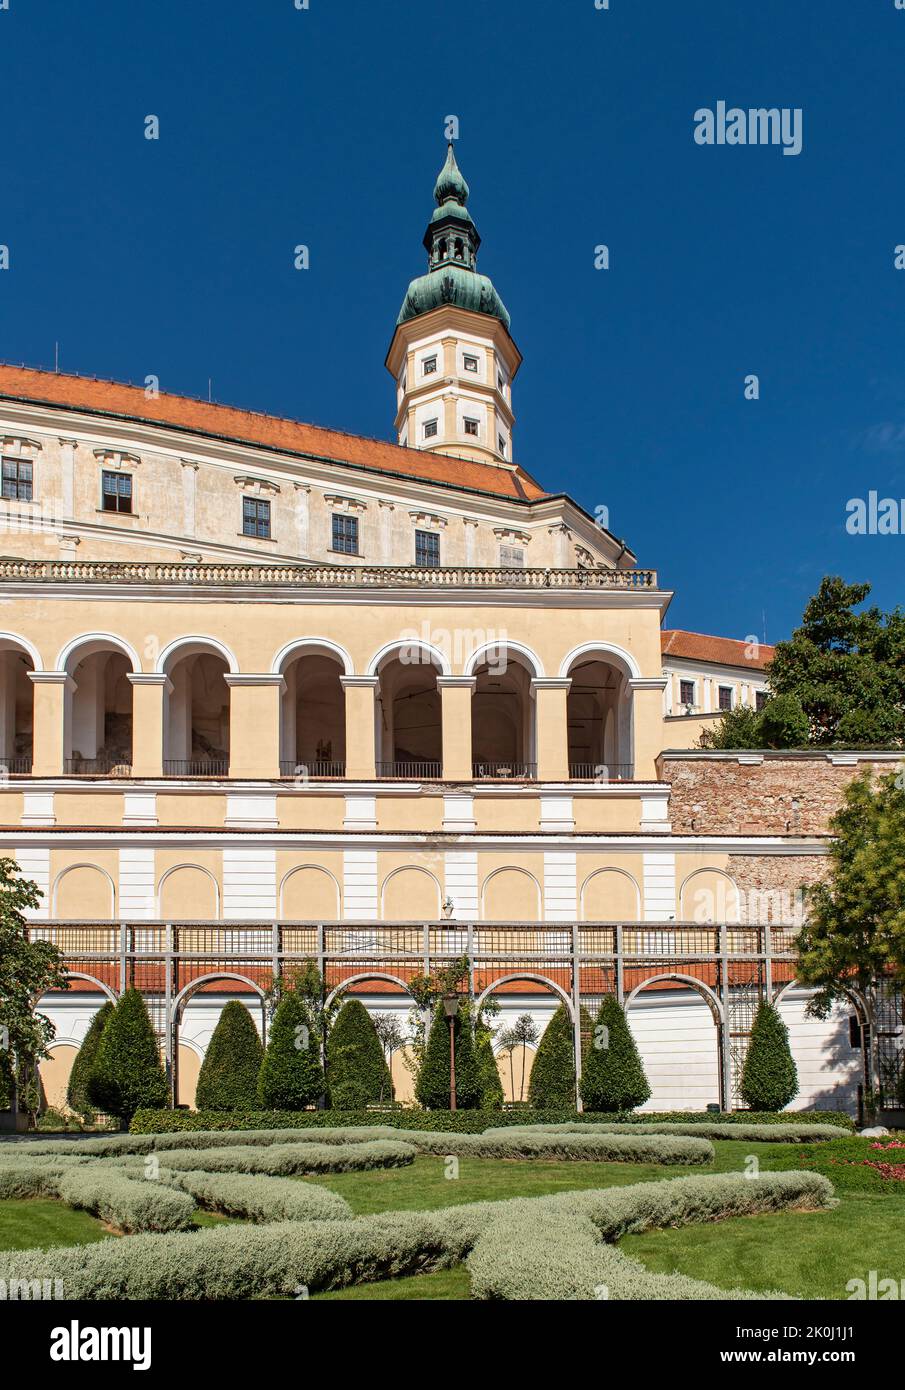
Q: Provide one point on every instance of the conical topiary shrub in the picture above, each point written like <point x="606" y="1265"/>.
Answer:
<point x="552" y="1084"/>
<point x="127" y="1074"/>
<point x="432" y="1089"/>
<point x="612" y="1077"/>
<point x="769" y="1076"/>
<point x="488" y="1072"/>
<point x="228" y="1079"/>
<point x="291" y="1075"/>
<point x="357" y="1073"/>
<point x="77" y="1089"/>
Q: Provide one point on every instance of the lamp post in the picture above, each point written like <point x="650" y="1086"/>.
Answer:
<point x="451" y="1006"/>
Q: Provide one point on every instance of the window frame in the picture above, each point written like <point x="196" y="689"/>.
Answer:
<point x="118" y="492"/>
<point x="421" y="537"/>
<point x="429" y="365"/>
<point x="687" y="681"/>
<point x="728" y="690"/>
<point x="338" y="542"/>
<point x="263" y="511"/>
<point x="11" y="461"/>
<point x="468" y="357"/>
<point x="427" y="433"/>
<point x="471" y="420"/>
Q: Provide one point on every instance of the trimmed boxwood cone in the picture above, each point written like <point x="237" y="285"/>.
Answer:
<point x="769" y="1076"/>
<point x="127" y="1074"/>
<point x="357" y="1073"/>
<point x="228" y="1079"/>
<point x="612" y="1077"/>
<point x="77" y="1089"/>
<point x="291" y="1075"/>
<point x="432" y="1086"/>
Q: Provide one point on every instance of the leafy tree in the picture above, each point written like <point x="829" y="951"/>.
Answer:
<point x="77" y="1089"/>
<point x="127" y="1074"/>
<point x="432" y="1089"/>
<point x="391" y="1034"/>
<point x="853" y="937"/>
<point x="783" y="723"/>
<point x="552" y="1084"/>
<point x="28" y="969"/>
<point x="291" y="1075"/>
<point x="738" y="728"/>
<point x="357" y="1073"/>
<point x="228" y="1079"/>
<point x="612" y="1076"/>
<point x="769" y="1076"/>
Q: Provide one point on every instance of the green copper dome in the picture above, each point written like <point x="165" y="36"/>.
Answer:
<point x="452" y="242"/>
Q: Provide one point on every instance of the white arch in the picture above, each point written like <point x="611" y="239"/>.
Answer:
<point x="97" y="642"/>
<point x="84" y="865"/>
<point x="608" y="649"/>
<point x="360" y="979"/>
<point x="612" y="869"/>
<point x="92" y="979"/>
<point x="315" y="646"/>
<point x="511" y="869"/>
<point x="672" y="976"/>
<point x="201" y="869"/>
<point x="9" y="641"/>
<point x="854" y="996"/>
<point x="406" y="869"/>
<point x="194" y="985"/>
<point x="695" y="873"/>
<point x="532" y="975"/>
<point x="321" y="870"/>
<point x="479" y="654"/>
<point x="196" y="645"/>
<point x="438" y="657"/>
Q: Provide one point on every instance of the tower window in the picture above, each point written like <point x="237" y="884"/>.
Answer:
<point x="427" y="549"/>
<point x="686" y="692"/>
<point x="499" y="383"/>
<point x="255" y="518"/>
<point x="443" y="248"/>
<point x="501" y="445"/>
<point x="470" y="363"/>
<point x="460" y="249"/>
<point x="512" y="557"/>
<point x="471" y="426"/>
<point x="429" y="366"/>
<point x="430" y="428"/>
<point x="760" y="699"/>
<point x="725" y="697"/>
<point x="116" y="491"/>
<point x="345" y="534"/>
<point x="17" y="479"/>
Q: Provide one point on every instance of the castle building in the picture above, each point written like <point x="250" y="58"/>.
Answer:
<point x="270" y="691"/>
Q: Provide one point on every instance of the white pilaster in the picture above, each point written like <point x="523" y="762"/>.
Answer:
<point x="249" y="882"/>
<point x="360" y="884"/>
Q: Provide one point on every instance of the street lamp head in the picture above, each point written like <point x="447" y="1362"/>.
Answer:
<point x="451" y="1005"/>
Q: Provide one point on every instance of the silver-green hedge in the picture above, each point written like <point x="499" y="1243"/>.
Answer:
<point x="126" y="1201"/>
<point x="259" y="1198"/>
<point x="282" y="1160"/>
<point x="790" y="1133"/>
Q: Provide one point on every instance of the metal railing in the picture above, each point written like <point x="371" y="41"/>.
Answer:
<point x="318" y="576"/>
<point x="102" y="766"/>
<point x="18" y="763"/>
<point x="506" y="770"/>
<point x="424" y="768"/>
<point x="319" y="767"/>
<point x="601" y="772"/>
<point x="196" y="767"/>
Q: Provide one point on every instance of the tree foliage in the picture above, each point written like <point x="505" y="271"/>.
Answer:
<point x="77" y="1089"/>
<point x="228" y="1079"/>
<point x="612" y="1075"/>
<point x="488" y="1072"/>
<point x="291" y="1075"/>
<point x="552" y="1084"/>
<point x="432" y="1088"/>
<point x="28" y="969"/>
<point x="769" y="1076"/>
<point x="127" y="1074"/>
<point x="357" y="1073"/>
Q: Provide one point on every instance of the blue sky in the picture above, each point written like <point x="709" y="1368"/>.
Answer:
<point x="325" y="127"/>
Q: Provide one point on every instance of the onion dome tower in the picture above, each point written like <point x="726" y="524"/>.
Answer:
<point x="452" y="355"/>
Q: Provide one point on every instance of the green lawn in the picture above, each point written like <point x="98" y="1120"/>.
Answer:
<point x="810" y="1254"/>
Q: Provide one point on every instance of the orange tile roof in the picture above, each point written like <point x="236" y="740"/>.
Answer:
<point x="248" y="427"/>
<point x="720" y="651"/>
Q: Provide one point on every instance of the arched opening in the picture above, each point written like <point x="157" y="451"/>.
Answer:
<point x="98" y="718"/>
<point x="16" y="707"/>
<point x="388" y="999"/>
<point x="84" y="892"/>
<point x="502" y="717"/>
<point x="196" y="713"/>
<point x="832" y="1054"/>
<point x="313" y="715"/>
<point x="599" y="719"/>
<point x="208" y="1003"/>
<point x="527" y="1002"/>
<point x="409" y="722"/>
<point x="677" y="1024"/>
<point x="410" y="894"/>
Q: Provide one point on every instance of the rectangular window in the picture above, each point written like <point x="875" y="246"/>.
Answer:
<point x="255" y="518"/>
<point x="429" y="366"/>
<point x="427" y="549"/>
<point x="499" y="383"/>
<point x="725" y="697"/>
<point x="760" y="699"/>
<point x="345" y="534"/>
<point x="470" y="363"/>
<point x="501" y="445"/>
<point x="430" y="429"/>
<point x="471" y="426"/>
<point x="686" y="692"/>
<point x="17" y="479"/>
<point x="512" y="557"/>
<point x="117" y="492"/>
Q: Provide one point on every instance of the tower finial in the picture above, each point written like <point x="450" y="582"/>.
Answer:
<point x="450" y="185"/>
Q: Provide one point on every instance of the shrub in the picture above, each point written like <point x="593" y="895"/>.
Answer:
<point x="766" y="1134"/>
<point x="612" y="1077"/>
<point x="127" y="1072"/>
<point x="769" y="1076"/>
<point x="488" y="1072"/>
<point x="357" y="1073"/>
<point x="432" y="1089"/>
<point x="552" y="1083"/>
<point x="131" y="1204"/>
<point x="282" y="1160"/>
<point x="259" y="1198"/>
<point x="291" y="1074"/>
<point x="228" y="1079"/>
<point x="77" y="1090"/>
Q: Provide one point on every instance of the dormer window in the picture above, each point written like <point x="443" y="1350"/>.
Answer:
<point x="430" y="428"/>
<point x="470" y="364"/>
<point x="429" y="366"/>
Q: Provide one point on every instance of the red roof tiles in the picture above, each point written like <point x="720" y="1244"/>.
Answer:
<point x="719" y="651"/>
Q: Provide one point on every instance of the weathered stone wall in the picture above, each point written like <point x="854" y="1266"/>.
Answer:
<point x="781" y="794"/>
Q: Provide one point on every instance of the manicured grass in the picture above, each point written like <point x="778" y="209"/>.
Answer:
<point x="35" y="1221"/>
<point x="809" y="1254"/>
<point x="442" y="1284"/>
